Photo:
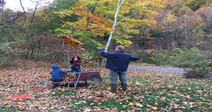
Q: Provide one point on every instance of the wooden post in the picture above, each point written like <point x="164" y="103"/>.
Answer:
<point x="68" y="57"/>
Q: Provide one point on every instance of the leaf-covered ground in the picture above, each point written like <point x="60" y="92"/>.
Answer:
<point x="148" y="91"/>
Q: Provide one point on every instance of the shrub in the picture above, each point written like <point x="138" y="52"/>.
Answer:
<point x="194" y="58"/>
<point x="195" y="73"/>
<point x="7" y="61"/>
<point x="9" y="49"/>
<point x="8" y="54"/>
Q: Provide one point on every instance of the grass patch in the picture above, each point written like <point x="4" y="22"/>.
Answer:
<point x="13" y="109"/>
<point x="185" y="95"/>
<point x="65" y="93"/>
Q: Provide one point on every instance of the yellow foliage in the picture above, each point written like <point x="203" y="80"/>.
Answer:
<point x="170" y="18"/>
<point x="100" y="21"/>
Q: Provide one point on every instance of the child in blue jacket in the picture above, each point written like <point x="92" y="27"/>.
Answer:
<point x="56" y="75"/>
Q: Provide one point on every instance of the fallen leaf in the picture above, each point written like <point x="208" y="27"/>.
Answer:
<point x="154" y="108"/>
<point x="185" y="103"/>
<point x="135" y="97"/>
<point x="130" y="103"/>
<point x="138" y="104"/>
<point x="97" y="98"/>
<point x="91" y="104"/>
<point x="199" y="91"/>
<point x="1" y="76"/>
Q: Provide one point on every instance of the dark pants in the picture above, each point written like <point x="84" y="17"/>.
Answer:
<point x="114" y="75"/>
<point x="75" y="70"/>
<point x="55" y="83"/>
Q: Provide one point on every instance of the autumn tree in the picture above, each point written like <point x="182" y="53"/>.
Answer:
<point x="88" y="10"/>
<point x="189" y="21"/>
<point x="206" y="15"/>
<point x="79" y="22"/>
<point x="177" y="26"/>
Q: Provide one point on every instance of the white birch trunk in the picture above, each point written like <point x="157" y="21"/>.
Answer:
<point x="114" y="24"/>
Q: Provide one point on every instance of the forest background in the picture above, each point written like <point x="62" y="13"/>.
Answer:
<point x="160" y="32"/>
<point x="163" y="32"/>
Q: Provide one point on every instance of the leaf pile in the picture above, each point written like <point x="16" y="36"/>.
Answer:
<point x="148" y="91"/>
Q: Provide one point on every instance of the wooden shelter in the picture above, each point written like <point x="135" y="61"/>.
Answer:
<point x="70" y="41"/>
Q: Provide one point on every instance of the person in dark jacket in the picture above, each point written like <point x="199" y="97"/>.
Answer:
<point x="75" y="64"/>
<point x="56" y="75"/>
<point x="117" y="62"/>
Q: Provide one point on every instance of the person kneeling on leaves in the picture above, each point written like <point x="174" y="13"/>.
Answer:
<point x="56" y="75"/>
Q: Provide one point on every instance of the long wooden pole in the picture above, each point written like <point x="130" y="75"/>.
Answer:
<point x="68" y="57"/>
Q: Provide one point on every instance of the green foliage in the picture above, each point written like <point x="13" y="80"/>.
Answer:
<point x="8" y="49"/>
<point x="8" y="54"/>
<point x="12" y="109"/>
<point x="198" y="34"/>
<point x="59" y="5"/>
<point x="196" y="4"/>
<point x="6" y="32"/>
<point x="187" y="58"/>
<point x="4" y="61"/>
<point x="160" y="33"/>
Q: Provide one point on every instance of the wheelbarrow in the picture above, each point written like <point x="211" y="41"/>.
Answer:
<point x="89" y="78"/>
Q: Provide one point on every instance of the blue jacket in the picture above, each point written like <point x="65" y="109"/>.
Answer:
<point x="117" y="61"/>
<point x="57" y="73"/>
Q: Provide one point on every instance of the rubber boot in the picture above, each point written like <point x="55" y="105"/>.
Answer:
<point x="114" y="88"/>
<point x="124" y="87"/>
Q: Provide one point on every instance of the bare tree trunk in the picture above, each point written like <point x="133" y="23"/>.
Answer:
<point x="173" y="41"/>
<point x="32" y="52"/>
<point x="23" y="9"/>
<point x="2" y="13"/>
<point x="186" y="29"/>
<point x="30" y="26"/>
<point x="27" y="53"/>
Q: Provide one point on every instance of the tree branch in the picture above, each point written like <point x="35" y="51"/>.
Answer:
<point x="9" y="21"/>
<point x="23" y="9"/>
<point x="36" y="7"/>
<point x="129" y="16"/>
<point x="121" y="3"/>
